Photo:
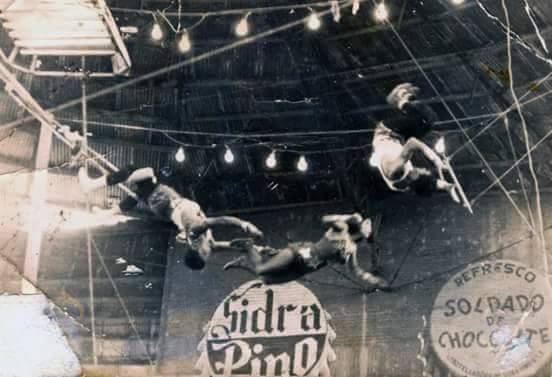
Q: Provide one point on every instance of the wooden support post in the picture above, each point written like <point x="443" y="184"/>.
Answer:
<point x="84" y="109"/>
<point x="37" y="195"/>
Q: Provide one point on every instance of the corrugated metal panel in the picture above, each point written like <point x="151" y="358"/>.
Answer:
<point x="17" y="150"/>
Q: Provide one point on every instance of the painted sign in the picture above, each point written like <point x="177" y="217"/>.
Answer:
<point x="493" y="319"/>
<point x="267" y="331"/>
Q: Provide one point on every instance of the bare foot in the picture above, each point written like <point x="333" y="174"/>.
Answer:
<point x="235" y="263"/>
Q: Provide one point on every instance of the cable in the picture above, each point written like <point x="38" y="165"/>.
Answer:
<point x="409" y="249"/>
<point x="122" y="303"/>
<point x="511" y="34"/>
<point x="519" y="173"/>
<point x="503" y="113"/>
<point x="478" y="152"/>
<point x="88" y="235"/>
<point x="527" y="146"/>
<point x="229" y="12"/>
<point x="494" y="182"/>
<point x="227" y="135"/>
<point x="460" y="265"/>
<point x="529" y="12"/>
<point x="15" y="268"/>
<point x="344" y="275"/>
<point x="23" y="98"/>
<point x="261" y="135"/>
<point x="310" y="280"/>
<point x="165" y="70"/>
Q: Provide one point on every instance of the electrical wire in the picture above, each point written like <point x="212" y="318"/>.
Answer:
<point x="542" y="238"/>
<point x="503" y="113"/>
<point x="230" y="12"/>
<point x="162" y="71"/>
<point x="518" y="170"/>
<point x="514" y="165"/>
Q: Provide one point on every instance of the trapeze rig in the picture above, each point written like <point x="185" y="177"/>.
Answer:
<point x="45" y="31"/>
<point x="74" y="28"/>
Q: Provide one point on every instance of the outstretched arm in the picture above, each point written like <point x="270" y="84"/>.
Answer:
<point x="220" y="245"/>
<point x="210" y="222"/>
<point x="364" y="276"/>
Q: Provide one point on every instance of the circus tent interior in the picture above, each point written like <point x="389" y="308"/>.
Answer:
<point x="266" y="111"/>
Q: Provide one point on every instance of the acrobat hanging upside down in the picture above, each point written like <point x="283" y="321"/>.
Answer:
<point x="397" y="140"/>
<point x="338" y="245"/>
<point x="167" y="204"/>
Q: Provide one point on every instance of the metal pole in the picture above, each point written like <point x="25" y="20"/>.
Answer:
<point x="88" y="235"/>
<point x="38" y="189"/>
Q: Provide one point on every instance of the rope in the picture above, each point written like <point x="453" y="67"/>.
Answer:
<point x="179" y="65"/>
<point x="497" y="180"/>
<point x="15" y="268"/>
<point x="503" y="113"/>
<point x="122" y="303"/>
<point x="519" y="173"/>
<point x="312" y="281"/>
<point x="527" y="146"/>
<point x="460" y="265"/>
<point x="227" y="12"/>
<point x="510" y="34"/>
<point x="20" y="95"/>
<point x="344" y="275"/>
<point x="409" y="249"/>
<point x="478" y="152"/>
<point x="88" y="235"/>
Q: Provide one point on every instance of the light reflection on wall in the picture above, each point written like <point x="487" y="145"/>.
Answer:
<point x="65" y="218"/>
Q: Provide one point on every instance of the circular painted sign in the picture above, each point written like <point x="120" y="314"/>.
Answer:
<point x="493" y="319"/>
<point x="267" y="330"/>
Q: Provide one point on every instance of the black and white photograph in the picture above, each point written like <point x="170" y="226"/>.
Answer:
<point x="275" y="188"/>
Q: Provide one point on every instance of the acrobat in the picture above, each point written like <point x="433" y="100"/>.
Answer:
<point x="397" y="140"/>
<point x="338" y="245"/>
<point x="167" y="204"/>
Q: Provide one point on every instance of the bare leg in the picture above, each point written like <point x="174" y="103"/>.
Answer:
<point x="449" y="187"/>
<point x="245" y="226"/>
<point x="128" y="173"/>
<point x="277" y="263"/>
<point x="141" y="175"/>
<point x="369" y="278"/>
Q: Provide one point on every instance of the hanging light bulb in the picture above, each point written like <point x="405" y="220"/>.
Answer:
<point x="228" y="155"/>
<point x="440" y="145"/>
<point x="242" y="27"/>
<point x="313" y="22"/>
<point x="184" y="44"/>
<point x="380" y="12"/>
<point x="302" y="164"/>
<point x="336" y="10"/>
<point x="156" y="32"/>
<point x="457" y="2"/>
<point x="356" y="7"/>
<point x="270" y="161"/>
<point x="180" y="156"/>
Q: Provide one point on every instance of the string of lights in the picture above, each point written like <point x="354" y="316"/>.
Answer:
<point x="240" y="11"/>
<point x="242" y="26"/>
<point x="313" y="22"/>
<point x="271" y="159"/>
